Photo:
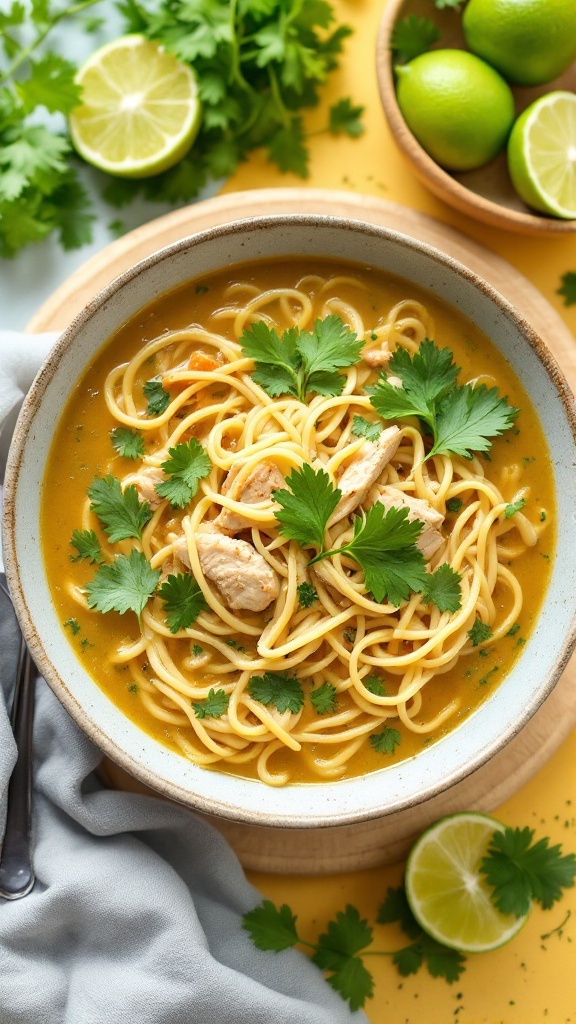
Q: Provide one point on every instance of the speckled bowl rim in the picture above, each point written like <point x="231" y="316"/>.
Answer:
<point x="328" y="804"/>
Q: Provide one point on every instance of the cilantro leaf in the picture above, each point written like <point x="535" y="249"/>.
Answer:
<point x="158" y="398"/>
<point x="461" y="418"/>
<point x="121" y="513"/>
<point x="187" y="465"/>
<point x="374" y="685"/>
<point x="413" y="36"/>
<point x="384" y="545"/>
<point x="284" y="692"/>
<point x="514" y="507"/>
<point x="479" y="633"/>
<point x="568" y="289"/>
<point x="386" y="741"/>
<point x="126" y="585"/>
<point x="307" y="595"/>
<point x="395" y="907"/>
<point x="336" y="953"/>
<point x="262" y="344"/>
<point x="286" y="148"/>
<point x="408" y="960"/>
<point x="50" y="84"/>
<point x="520" y="870"/>
<point x="441" y="961"/>
<point x="443" y="588"/>
<point x="87" y="546"/>
<point x="363" y="428"/>
<point x="183" y="600"/>
<point x="270" y="927"/>
<point x="344" y="117"/>
<point x="213" y="706"/>
<point x="324" y="698"/>
<point x="307" y="506"/>
<point x="353" y="981"/>
<point x="128" y="443"/>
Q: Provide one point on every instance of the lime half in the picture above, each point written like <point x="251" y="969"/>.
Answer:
<point x="542" y="155"/>
<point x="140" y="111"/>
<point x="448" y="896"/>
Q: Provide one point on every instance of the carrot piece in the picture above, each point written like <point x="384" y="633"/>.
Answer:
<point x="200" y="361"/>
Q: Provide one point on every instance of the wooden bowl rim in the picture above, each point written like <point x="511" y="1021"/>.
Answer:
<point x="439" y="181"/>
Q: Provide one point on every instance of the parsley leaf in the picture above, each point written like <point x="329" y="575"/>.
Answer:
<point x="187" y="465"/>
<point x="121" y="513"/>
<point x="307" y="506"/>
<point x="363" y="428"/>
<point x="307" y="595"/>
<point x="158" y="398"/>
<point x="126" y="585"/>
<point x="128" y="443"/>
<point x="324" y="698"/>
<point x="443" y="588"/>
<point x="336" y="952"/>
<point x="270" y="927"/>
<point x="520" y="870"/>
<point x="183" y="600"/>
<point x="568" y="289"/>
<point x="284" y="692"/>
<point x="301" y="362"/>
<point x="87" y="546"/>
<point x="386" y="741"/>
<point x="514" y="507"/>
<point x="461" y="418"/>
<point x="413" y="36"/>
<point x="479" y="633"/>
<point x="213" y="706"/>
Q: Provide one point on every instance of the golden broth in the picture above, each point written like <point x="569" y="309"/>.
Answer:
<point x="82" y="450"/>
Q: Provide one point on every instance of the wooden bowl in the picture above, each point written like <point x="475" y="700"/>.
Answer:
<point x="486" y="194"/>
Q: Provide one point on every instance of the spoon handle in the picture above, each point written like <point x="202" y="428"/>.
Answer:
<point x="16" y="870"/>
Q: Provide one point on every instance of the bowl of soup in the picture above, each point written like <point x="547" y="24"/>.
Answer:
<point x="288" y="521"/>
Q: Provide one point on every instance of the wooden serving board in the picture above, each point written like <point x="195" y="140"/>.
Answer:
<point x="385" y="840"/>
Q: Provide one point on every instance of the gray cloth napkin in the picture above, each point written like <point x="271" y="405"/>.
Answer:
<point x="136" y="913"/>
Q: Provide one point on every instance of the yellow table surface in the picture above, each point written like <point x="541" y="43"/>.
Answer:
<point x="533" y="978"/>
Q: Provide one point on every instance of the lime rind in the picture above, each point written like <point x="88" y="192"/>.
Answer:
<point x="448" y="896"/>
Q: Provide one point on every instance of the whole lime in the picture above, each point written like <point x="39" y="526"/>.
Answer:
<point x="529" y="41"/>
<point x="457" y="106"/>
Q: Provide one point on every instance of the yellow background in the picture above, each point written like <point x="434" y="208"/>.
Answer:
<point x="533" y="978"/>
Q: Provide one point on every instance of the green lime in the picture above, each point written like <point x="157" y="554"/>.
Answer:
<point x="529" y="41"/>
<point x="542" y="155"/>
<point x="140" y="110"/>
<point x="448" y="896"/>
<point x="457" y="106"/>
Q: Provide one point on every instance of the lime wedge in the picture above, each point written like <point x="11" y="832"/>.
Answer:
<point x="448" y="896"/>
<point x="140" y="111"/>
<point x="542" y="155"/>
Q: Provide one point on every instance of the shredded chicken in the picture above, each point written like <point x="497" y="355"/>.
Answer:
<point x="379" y="355"/>
<point x="258" y="487"/>
<point x="418" y="508"/>
<point x="144" y="481"/>
<point x="358" y="477"/>
<point x="241" y="574"/>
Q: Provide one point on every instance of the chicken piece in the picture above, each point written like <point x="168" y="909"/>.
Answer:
<point x="358" y="477"/>
<point x="258" y="486"/>
<point x="418" y="508"/>
<point x="144" y="481"/>
<point x="241" y="574"/>
<point x="377" y="356"/>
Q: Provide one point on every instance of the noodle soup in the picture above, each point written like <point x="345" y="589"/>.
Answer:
<point x="310" y="589"/>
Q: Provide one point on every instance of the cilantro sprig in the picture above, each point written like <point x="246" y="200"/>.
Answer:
<point x="277" y="689"/>
<point x="187" y="465"/>
<point x="213" y="706"/>
<point x="120" y="512"/>
<point x="462" y="419"/>
<point x="87" y="546"/>
<point x="520" y="870"/>
<point x="300" y="362"/>
<point x="126" y="585"/>
<point x="128" y="443"/>
<point x="183" y="600"/>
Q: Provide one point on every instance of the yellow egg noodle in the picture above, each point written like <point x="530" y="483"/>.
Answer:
<point x="242" y="428"/>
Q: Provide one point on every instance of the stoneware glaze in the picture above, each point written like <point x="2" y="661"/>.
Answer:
<point x="446" y="762"/>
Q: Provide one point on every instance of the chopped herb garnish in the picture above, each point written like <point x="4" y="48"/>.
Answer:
<point x="386" y="741"/>
<point x="301" y="362"/>
<point x="87" y="546"/>
<point x="543" y="516"/>
<point x="187" y="465"/>
<point x="374" y="685"/>
<point x="349" y="635"/>
<point x="520" y="642"/>
<point x="201" y="289"/>
<point x="121" y="512"/>
<point x="158" y="398"/>
<point x="279" y="689"/>
<point x="479" y="633"/>
<point x="128" y="443"/>
<point x="197" y="650"/>
<point x="324" y="698"/>
<point x="74" y="625"/>
<point x="183" y="600"/>
<point x="307" y="595"/>
<point x="85" y="643"/>
<point x="126" y="585"/>
<point x="363" y="428"/>
<point x="133" y="688"/>
<point x="213" y="706"/>
<point x="513" y="629"/>
<point x="454" y="504"/>
<point x="514" y="507"/>
<point x="485" y="679"/>
<point x="235" y="645"/>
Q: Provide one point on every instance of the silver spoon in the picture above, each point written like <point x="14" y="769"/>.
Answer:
<point x="16" y="870"/>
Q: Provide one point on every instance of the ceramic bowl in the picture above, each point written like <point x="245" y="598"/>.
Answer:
<point x="486" y="194"/>
<point x="400" y="786"/>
